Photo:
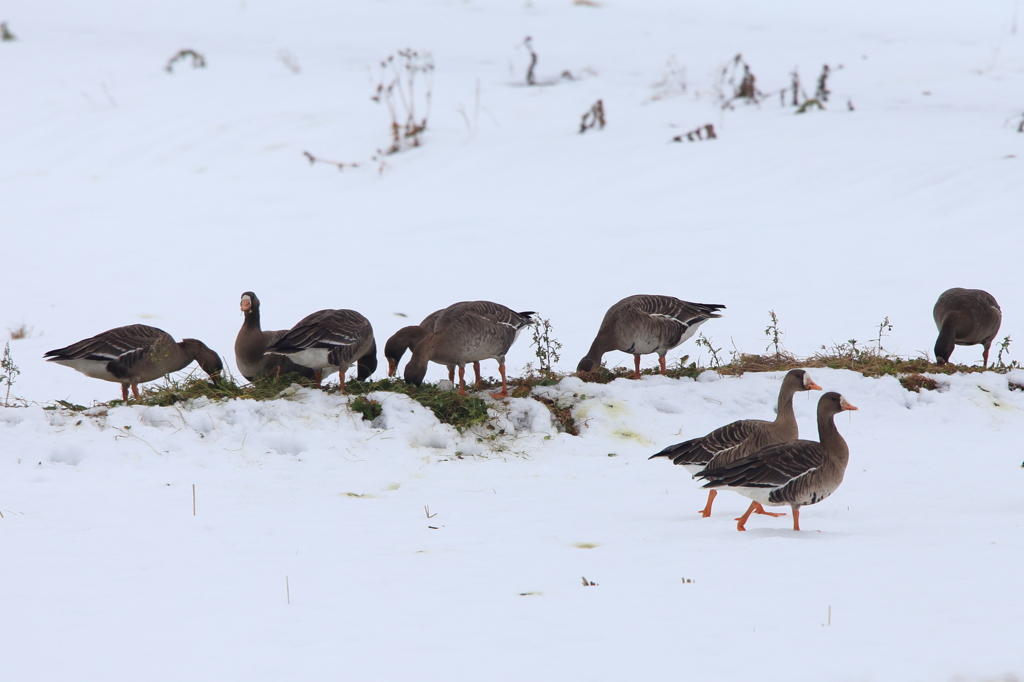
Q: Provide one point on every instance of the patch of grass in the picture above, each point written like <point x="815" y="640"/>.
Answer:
<point x="370" y="409"/>
<point x="172" y="391"/>
<point x="20" y="332"/>
<point x="198" y="60"/>
<point x="460" y="411"/>
<point x="915" y="382"/>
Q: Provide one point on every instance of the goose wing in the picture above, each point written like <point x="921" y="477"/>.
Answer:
<point x="343" y="333"/>
<point x="770" y="467"/>
<point x="121" y="348"/>
<point x="664" y="320"/>
<point x="721" y="440"/>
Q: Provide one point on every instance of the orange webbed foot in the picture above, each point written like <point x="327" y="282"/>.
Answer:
<point x="760" y="510"/>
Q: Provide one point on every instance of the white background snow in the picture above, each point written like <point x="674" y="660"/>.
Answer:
<point x="128" y="195"/>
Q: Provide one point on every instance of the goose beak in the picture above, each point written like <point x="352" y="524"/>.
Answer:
<point x="845" y="405"/>
<point x="392" y="366"/>
<point x="811" y="386"/>
<point x="246" y="304"/>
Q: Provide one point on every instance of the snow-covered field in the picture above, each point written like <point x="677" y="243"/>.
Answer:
<point x="128" y="194"/>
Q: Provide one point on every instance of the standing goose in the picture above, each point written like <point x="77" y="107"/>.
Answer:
<point x="406" y="338"/>
<point x="741" y="438"/>
<point x="330" y="341"/>
<point x="252" y="342"/>
<point x="965" y="317"/>
<point x="468" y="332"/>
<point x="796" y="473"/>
<point x="647" y="324"/>
<point x="133" y="355"/>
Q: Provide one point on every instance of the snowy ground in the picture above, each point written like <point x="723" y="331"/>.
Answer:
<point x="132" y="195"/>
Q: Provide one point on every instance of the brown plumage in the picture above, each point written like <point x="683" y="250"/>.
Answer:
<point x="468" y="332"/>
<point x="645" y="324"/>
<point x="797" y="473"/>
<point x="740" y="438"/>
<point x="133" y="355"/>
<point x="965" y="317"/>
<point x="329" y="341"/>
<point x="252" y="342"/>
<point x="406" y="338"/>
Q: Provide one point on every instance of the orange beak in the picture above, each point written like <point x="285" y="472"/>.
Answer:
<point x="246" y="304"/>
<point x="811" y="386"/>
<point x="392" y="366"/>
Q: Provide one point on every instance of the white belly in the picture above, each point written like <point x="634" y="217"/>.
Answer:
<point x="314" y="358"/>
<point x="756" y="494"/>
<point x="97" y="369"/>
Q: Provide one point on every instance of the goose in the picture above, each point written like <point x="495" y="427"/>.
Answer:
<point x="740" y="438"/>
<point x="965" y="317"/>
<point x="252" y="342"/>
<point x="468" y="332"/>
<point x="797" y="473"/>
<point x="407" y="337"/>
<point x="330" y="341"/>
<point x="133" y="355"/>
<point x="644" y="324"/>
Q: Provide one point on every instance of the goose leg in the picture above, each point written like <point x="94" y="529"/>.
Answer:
<point x="746" y="515"/>
<point x="758" y="509"/>
<point x="636" y="363"/>
<point x="664" y="369"/>
<point x="706" y="511"/>
<point x="451" y="373"/>
<point x="462" y="380"/>
<point x="503" y="393"/>
<point x="984" y="356"/>
<point x="135" y="390"/>
<point x="124" y="392"/>
<point x="319" y="376"/>
<point x="341" y="379"/>
<point x="796" y="518"/>
<point x="476" y="370"/>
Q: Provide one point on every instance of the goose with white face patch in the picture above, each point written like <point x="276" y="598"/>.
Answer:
<point x="965" y="317"/>
<point x="133" y="355"/>
<point x="797" y="473"/>
<point x="468" y="332"/>
<point x="252" y="342"/>
<point x="330" y="341"/>
<point x="741" y="438"/>
<point x="647" y="323"/>
<point x="406" y="338"/>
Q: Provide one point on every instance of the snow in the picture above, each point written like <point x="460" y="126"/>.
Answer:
<point x="326" y="546"/>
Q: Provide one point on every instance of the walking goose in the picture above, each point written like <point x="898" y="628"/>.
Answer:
<point x="330" y="341"/>
<point x="133" y="355"/>
<point x="252" y="342"/>
<point x="797" y="473"/>
<point x="965" y="317"/>
<point x="740" y="438"/>
<point x="647" y="324"/>
<point x="407" y="337"/>
<point x="468" y="332"/>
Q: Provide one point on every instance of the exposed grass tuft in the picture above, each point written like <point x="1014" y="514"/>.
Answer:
<point x="370" y="409"/>
<point x="915" y="382"/>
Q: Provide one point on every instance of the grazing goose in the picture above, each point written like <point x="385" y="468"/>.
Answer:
<point x="646" y="324"/>
<point x="330" y="341"/>
<point x="251" y="346"/>
<point x="741" y="438"/>
<point x="468" y="332"/>
<point x="965" y="317"/>
<point x="407" y="337"/>
<point x="796" y="473"/>
<point x="133" y="355"/>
